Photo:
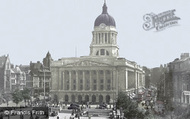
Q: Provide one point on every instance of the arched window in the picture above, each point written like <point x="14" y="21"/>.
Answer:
<point x="102" y="52"/>
<point x="86" y="98"/>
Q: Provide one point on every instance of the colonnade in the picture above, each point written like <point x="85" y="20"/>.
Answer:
<point x="104" y="38"/>
<point x="81" y="80"/>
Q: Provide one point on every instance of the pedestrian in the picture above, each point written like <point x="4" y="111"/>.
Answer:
<point x="72" y="116"/>
<point x="57" y="117"/>
<point x="31" y="115"/>
<point x="1" y="116"/>
<point x="21" y="116"/>
<point x="9" y="116"/>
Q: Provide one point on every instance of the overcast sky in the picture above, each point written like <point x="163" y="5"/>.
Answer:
<point x="31" y="28"/>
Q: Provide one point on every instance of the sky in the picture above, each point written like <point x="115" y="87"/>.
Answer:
<point x="31" y="28"/>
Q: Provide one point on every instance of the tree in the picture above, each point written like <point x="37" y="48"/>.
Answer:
<point x="17" y="96"/>
<point x="7" y="98"/>
<point x="25" y="94"/>
<point x="130" y="108"/>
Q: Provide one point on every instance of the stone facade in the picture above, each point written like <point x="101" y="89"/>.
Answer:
<point x="5" y="74"/>
<point x="181" y="78"/>
<point x="18" y="79"/>
<point x="174" y="83"/>
<point x="101" y="75"/>
<point x="94" y="79"/>
<point x="40" y="74"/>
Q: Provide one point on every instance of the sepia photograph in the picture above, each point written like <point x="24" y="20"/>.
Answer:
<point x="94" y="59"/>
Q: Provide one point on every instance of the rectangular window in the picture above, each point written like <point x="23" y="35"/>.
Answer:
<point x="81" y="87"/>
<point x="87" y="72"/>
<point x="13" y="81"/>
<point x="74" y="87"/>
<point x="94" y="87"/>
<point x="67" y="87"/>
<point x="101" y="81"/>
<point x="102" y="52"/>
<point x="107" y="72"/>
<point x="94" y="72"/>
<point x="81" y="81"/>
<point x="108" y="87"/>
<point x="108" y="81"/>
<point x="101" y="71"/>
<point x="94" y="80"/>
<point x="101" y="87"/>
<point x="80" y="72"/>
<point x="87" y="87"/>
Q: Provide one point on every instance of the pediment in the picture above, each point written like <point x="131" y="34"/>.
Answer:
<point x="87" y="63"/>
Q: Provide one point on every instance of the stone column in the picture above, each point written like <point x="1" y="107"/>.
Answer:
<point x="95" y="39"/>
<point x="98" y="81"/>
<point x="115" y="38"/>
<point x="70" y="81"/>
<point x="98" y="39"/>
<point x="110" y="39"/>
<point x="104" y="80"/>
<point x="107" y="37"/>
<point x="90" y="98"/>
<point x="103" y="38"/>
<point x="63" y="80"/>
<point x="111" y="80"/>
<point x="77" y="80"/>
<point x="83" y="79"/>
<point x="126" y="79"/>
<point x="69" y="96"/>
<point x="59" y="82"/>
<point x="136" y="81"/>
<point x="90" y="80"/>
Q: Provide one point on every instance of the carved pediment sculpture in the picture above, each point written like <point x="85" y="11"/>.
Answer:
<point x="87" y="63"/>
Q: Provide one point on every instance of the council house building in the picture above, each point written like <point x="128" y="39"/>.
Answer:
<point x="100" y="76"/>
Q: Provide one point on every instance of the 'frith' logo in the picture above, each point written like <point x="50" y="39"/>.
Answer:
<point x="160" y="21"/>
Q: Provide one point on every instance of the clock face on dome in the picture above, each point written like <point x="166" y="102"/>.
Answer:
<point x="102" y="25"/>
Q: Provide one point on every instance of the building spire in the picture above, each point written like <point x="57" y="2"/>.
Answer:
<point x="104" y="11"/>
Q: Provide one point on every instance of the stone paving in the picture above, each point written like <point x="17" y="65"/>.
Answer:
<point x="67" y="116"/>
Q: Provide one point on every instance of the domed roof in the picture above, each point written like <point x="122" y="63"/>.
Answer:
<point x="105" y="18"/>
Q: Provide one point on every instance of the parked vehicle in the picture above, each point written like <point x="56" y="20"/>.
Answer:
<point x="103" y="105"/>
<point x="54" y="113"/>
<point x="74" y="104"/>
<point x="73" y="107"/>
